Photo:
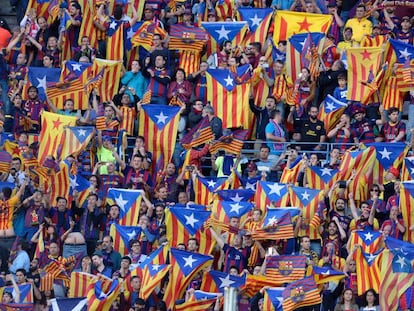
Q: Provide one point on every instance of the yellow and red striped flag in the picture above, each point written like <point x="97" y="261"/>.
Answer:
<point x="111" y="78"/>
<point x="228" y="97"/>
<point x="362" y="62"/>
<point x="272" y="300"/>
<point x="396" y="277"/>
<point x="87" y="27"/>
<point x="101" y="299"/>
<point x="290" y="174"/>
<point x="152" y="276"/>
<point x="320" y="178"/>
<point x="183" y="223"/>
<point x="301" y="293"/>
<point x="144" y="33"/>
<point x="52" y="134"/>
<point x="232" y="143"/>
<point x="368" y="270"/>
<point x="270" y="193"/>
<point x="285" y="269"/>
<point x="122" y="235"/>
<point x="374" y="41"/>
<point x="5" y="160"/>
<point x="331" y="111"/>
<point x="129" y="202"/>
<point x="276" y="225"/>
<point x="370" y="241"/>
<point x="259" y="22"/>
<point x="204" y="188"/>
<point x="407" y="208"/>
<point x="308" y="200"/>
<point x="289" y="23"/>
<point x="158" y="125"/>
<point x="184" y="265"/>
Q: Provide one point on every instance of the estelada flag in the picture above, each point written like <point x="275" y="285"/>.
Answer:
<point x="51" y="137"/>
<point x="331" y="111"/>
<point x="273" y="193"/>
<point x="259" y="21"/>
<point x="158" y="125"/>
<point x="184" y="223"/>
<point x="370" y="241"/>
<point x="111" y="77"/>
<point x="184" y="265"/>
<point x="407" y="171"/>
<point x="362" y="62"/>
<point x="368" y="270"/>
<point x="289" y="23"/>
<point x="396" y="277"/>
<point x="129" y="202"/>
<point x="122" y="235"/>
<point x="273" y="299"/>
<point x="320" y="178"/>
<point x="228" y="98"/>
<point x="276" y="225"/>
<point x="204" y="188"/>
<point x="407" y="208"/>
<point x="101" y="299"/>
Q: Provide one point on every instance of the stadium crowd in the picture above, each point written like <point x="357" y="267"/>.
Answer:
<point x="52" y="230"/>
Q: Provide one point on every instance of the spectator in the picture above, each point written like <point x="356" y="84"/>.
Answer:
<point x="360" y="25"/>
<point x="22" y="260"/>
<point x="159" y="79"/>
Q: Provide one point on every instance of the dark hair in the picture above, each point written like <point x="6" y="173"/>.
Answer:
<point x="51" y="58"/>
<point x="365" y="302"/>
<point x="342" y="76"/>
<point x="224" y="43"/>
<point x="265" y="147"/>
<point x="392" y="110"/>
<point x="193" y="239"/>
<point x="127" y="258"/>
<point x="132" y="242"/>
<point x="181" y="70"/>
<point x="30" y="89"/>
<point x="23" y="271"/>
<point x="273" y="114"/>
<point x="118" y="12"/>
<point x="98" y="180"/>
<point x="7" y="191"/>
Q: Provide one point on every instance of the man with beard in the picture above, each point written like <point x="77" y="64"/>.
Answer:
<point x="339" y="213"/>
<point x="220" y="59"/>
<point x="312" y="131"/>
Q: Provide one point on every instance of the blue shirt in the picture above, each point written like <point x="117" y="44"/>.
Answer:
<point x="22" y="261"/>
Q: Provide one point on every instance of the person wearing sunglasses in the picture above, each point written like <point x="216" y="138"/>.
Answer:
<point x="380" y="211"/>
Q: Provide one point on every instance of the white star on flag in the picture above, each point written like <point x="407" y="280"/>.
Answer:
<point x="404" y="53"/>
<point x="81" y="132"/>
<point x="161" y="118"/>
<point x="326" y="272"/>
<point x="385" y="154"/>
<point x="401" y="261"/>
<point x="371" y="257"/>
<point x="155" y="267"/>
<point x="305" y="196"/>
<point x="211" y="184"/>
<point x="237" y="198"/>
<point x="132" y="235"/>
<point x="190" y="220"/>
<point x="223" y="33"/>
<point x="229" y="81"/>
<point x="368" y="236"/>
<point x="121" y="202"/>
<point x="275" y="188"/>
<point x="226" y="282"/>
<point x="76" y="67"/>
<point x="330" y="106"/>
<point x="130" y="33"/>
<point x="189" y="261"/>
<point x="73" y="182"/>
<point x="236" y="208"/>
<point x="272" y="221"/>
<point x="112" y="25"/>
<point x="326" y="171"/>
<point x="41" y="83"/>
<point x="256" y="20"/>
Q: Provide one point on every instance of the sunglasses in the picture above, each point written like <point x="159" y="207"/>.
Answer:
<point x="375" y="190"/>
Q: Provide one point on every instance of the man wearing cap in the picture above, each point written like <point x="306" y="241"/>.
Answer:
<point x="362" y="130"/>
<point x="386" y="18"/>
<point x="405" y="33"/>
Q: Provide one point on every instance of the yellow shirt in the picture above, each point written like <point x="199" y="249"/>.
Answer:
<point x="360" y="28"/>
